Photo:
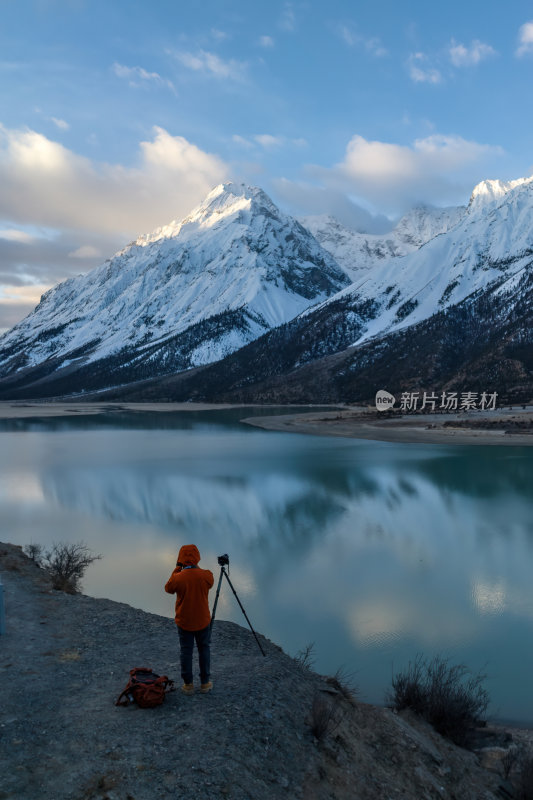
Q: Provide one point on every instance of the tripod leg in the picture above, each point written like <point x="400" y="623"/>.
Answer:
<point x="243" y="611"/>
<point x="216" y="601"/>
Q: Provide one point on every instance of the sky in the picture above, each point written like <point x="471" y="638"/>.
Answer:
<point x="119" y="116"/>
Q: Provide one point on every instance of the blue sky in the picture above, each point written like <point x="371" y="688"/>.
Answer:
<point x="118" y="116"/>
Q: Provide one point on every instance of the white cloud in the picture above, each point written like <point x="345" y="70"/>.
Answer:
<point x="240" y="140"/>
<point x="61" y="197"/>
<point x="347" y="35"/>
<point x="268" y="142"/>
<point x="16" y="302"/>
<point x="436" y="154"/>
<point x="287" y="21"/>
<point x="60" y="123"/>
<point x="374" y="46"/>
<point x="14" y="235"/>
<point x="352" y="38"/>
<point x="304" y="198"/>
<point x="393" y="177"/>
<point x="525" y="39"/>
<point x="266" y="41"/>
<point x="31" y="264"/>
<point x="85" y="251"/>
<point x="211" y="64"/>
<point x="462" y="56"/>
<point x="219" y="35"/>
<point x="137" y="76"/>
<point x="44" y="183"/>
<point x="420" y="72"/>
<point x="16" y="295"/>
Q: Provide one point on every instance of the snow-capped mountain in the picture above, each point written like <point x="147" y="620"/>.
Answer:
<point x="241" y="284"/>
<point x="457" y="313"/>
<point x="187" y="294"/>
<point x="492" y="244"/>
<point x="358" y="252"/>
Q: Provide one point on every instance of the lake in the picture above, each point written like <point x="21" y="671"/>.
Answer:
<point x="372" y="551"/>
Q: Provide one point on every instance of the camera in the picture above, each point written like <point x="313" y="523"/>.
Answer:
<point x="223" y="560"/>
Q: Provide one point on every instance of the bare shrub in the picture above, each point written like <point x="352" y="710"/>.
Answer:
<point x="67" y="564"/>
<point x="510" y="760"/>
<point x="325" y="716"/>
<point x="34" y="551"/>
<point x="524" y="783"/>
<point x="344" y="682"/>
<point x="306" y="657"/>
<point x="448" y="696"/>
<point x="408" y="688"/>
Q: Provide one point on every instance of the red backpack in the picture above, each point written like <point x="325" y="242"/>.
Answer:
<point x="145" y="688"/>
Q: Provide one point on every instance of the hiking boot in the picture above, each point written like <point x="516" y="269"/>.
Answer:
<point x="206" y="687"/>
<point x="188" y="688"/>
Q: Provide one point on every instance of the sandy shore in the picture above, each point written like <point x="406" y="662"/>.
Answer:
<point x="503" y="427"/>
<point x="513" y="426"/>
<point x="14" y="410"/>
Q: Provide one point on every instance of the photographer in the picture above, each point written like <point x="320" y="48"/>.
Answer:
<point x="191" y="585"/>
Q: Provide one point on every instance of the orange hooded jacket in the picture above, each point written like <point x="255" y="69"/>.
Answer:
<point x="191" y="587"/>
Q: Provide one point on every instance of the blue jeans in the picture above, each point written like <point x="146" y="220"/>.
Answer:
<point x="187" y="639"/>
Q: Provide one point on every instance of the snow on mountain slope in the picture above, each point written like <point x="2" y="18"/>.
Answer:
<point x="235" y="252"/>
<point x="358" y="252"/>
<point x="492" y="244"/>
<point x="488" y="192"/>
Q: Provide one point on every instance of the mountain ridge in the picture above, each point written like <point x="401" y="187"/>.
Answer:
<point x="357" y="252"/>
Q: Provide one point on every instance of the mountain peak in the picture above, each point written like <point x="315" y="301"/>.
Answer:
<point x="489" y="191"/>
<point x="230" y="198"/>
<point x="423" y="222"/>
<point x="233" y="189"/>
<point x="224" y="201"/>
<point x="358" y="252"/>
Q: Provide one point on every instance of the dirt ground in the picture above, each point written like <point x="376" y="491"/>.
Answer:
<point x="65" y="658"/>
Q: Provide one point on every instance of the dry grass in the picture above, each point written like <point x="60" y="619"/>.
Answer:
<point x="305" y="657"/>
<point x="344" y="682"/>
<point x="325" y="716"/>
<point x="447" y="695"/>
<point x="524" y="783"/>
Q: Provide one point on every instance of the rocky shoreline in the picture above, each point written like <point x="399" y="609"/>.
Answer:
<point x="65" y="658"/>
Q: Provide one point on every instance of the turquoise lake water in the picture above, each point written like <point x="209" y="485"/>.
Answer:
<point x="373" y="551"/>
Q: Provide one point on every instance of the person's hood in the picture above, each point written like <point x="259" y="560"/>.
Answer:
<point x="189" y="555"/>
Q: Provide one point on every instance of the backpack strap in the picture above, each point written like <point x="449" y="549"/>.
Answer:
<point x="167" y="683"/>
<point x="125" y="692"/>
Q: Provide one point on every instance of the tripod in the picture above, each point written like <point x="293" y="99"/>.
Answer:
<point x="223" y="572"/>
